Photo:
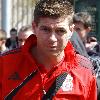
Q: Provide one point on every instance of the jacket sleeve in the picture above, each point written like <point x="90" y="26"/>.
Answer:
<point x="92" y="94"/>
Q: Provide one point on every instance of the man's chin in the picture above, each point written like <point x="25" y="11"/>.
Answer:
<point x="53" y="53"/>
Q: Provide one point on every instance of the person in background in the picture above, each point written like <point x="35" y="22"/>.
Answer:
<point x="83" y="22"/>
<point x="93" y="45"/>
<point x="47" y="67"/>
<point x="3" y="37"/>
<point x="78" y="45"/>
<point x="12" y="42"/>
<point x="24" y="33"/>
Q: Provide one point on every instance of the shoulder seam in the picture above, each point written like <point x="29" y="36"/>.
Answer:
<point x="12" y="51"/>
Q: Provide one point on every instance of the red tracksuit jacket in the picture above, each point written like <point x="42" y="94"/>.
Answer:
<point x="17" y="65"/>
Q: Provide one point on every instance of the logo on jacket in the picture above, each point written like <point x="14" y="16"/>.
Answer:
<point x="14" y="76"/>
<point x="68" y="83"/>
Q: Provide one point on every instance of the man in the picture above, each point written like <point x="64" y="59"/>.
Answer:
<point x="23" y="34"/>
<point x="12" y="42"/>
<point x="47" y="68"/>
<point x="82" y="22"/>
<point x="3" y="37"/>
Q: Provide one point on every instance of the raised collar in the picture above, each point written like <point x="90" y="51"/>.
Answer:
<point x="32" y="41"/>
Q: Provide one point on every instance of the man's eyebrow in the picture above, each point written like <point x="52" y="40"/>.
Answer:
<point x="61" y="28"/>
<point x="44" y="26"/>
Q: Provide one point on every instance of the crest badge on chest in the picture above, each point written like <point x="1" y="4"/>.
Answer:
<point x="68" y="83"/>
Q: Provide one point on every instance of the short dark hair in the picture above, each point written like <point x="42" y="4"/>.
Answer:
<point x="13" y="30"/>
<point x="83" y="17"/>
<point x="53" y="9"/>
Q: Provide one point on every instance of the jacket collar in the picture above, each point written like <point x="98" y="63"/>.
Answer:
<point x="70" y="53"/>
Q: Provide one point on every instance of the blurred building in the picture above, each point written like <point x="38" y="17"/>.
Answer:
<point x="16" y="13"/>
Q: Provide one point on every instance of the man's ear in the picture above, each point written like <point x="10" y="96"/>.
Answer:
<point x="34" y="27"/>
<point x="71" y="27"/>
<point x="3" y="41"/>
<point x="88" y="29"/>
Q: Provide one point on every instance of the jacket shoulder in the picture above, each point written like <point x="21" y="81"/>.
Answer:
<point x="14" y="51"/>
<point x="84" y="62"/>
<point x="85" y="67"/>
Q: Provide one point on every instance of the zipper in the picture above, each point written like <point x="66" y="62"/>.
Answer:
<point x="44" y="92"/>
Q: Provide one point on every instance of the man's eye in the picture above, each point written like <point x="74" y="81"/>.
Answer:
<point x="61" y="31"/>
<point x="77" y="29"/>
<point x="45" y="29"/>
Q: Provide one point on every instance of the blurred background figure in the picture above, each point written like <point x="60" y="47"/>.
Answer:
<point x="12" y="42"/>
<point x="83" y="22"/>
<point x="78" y="45"/>
<point x="93" y="45"/>
<point x="3" y="37"/>
<point x="23" y="34"/>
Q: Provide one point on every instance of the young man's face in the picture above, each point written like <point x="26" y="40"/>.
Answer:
<point x="52" y="35"/>
<point x="22" y="37"/>
<point x="2" y="42"/>
<point x="81" y="30"/>
<point x="13" y="35"/>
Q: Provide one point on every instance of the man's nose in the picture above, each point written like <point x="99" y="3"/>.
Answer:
<point x="53" y="37"/>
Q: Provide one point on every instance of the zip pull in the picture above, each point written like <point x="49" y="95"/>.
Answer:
<point x="44" y="92"/>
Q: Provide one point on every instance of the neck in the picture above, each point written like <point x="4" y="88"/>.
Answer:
<point x="47" y="60"/>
